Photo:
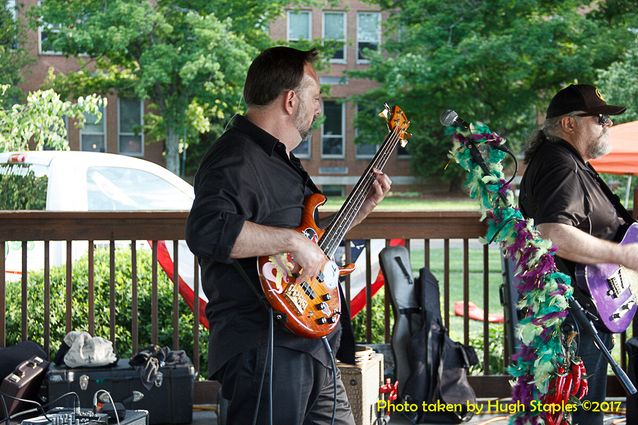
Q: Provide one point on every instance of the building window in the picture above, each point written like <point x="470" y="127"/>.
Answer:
<point x="299" y="25"/>
<point x="333" y="132"/>
<point x="368" y="33"/>
<point x="47" y="34"/>
<point x="303" y="150"/>
<point x="11" y="7"/>
<point x="93" y="134"/>
<point x="13" y="11"/>
<point x="130" y="129"/>
<point x="332" y="190"/>
<point x="403" y="152"/>
<point x="334" y="29"/>
<point x="364" y="150"/>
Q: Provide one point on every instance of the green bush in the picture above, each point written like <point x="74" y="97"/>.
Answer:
<point x="496" y="355"/>
<point x="21" y="189"/>
<point x="378" y="324"/>
<point x="123" y="302"/>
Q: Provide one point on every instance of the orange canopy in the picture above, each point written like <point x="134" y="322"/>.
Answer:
<point x="623" y="158"/>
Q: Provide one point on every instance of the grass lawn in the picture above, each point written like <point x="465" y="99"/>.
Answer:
<point x="456" y="327"/>
<point x="412" y="204"/>
<point x="456" y="286"/>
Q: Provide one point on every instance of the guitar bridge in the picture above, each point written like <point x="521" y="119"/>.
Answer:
<point x="622" y="310"/>
<point x="297" y="298"/>
<point x="616" y="284"/>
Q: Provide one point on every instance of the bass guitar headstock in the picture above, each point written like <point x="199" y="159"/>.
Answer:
<point x="397" y="121"/>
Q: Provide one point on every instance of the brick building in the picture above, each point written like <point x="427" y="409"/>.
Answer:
<point x="329" y="155"/>
<point x="116" y="132"/>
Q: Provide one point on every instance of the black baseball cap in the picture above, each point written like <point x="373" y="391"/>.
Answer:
<point x="581" y="97"/>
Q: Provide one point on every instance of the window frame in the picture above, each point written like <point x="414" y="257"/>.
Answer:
<point x="120" y="134"/>
<point x="41" y="51"/>
<point x="52" y="28"/>
<point x="378" y="14"/>
<point x="12" y="7"/>
<point x="343" y="132"/>
<point x="305" y="155"/>
<point x="104" y="133"/>
<point x="345" y="33"/>
<point x="298" y="12"/>
<point x="357" y="155"/>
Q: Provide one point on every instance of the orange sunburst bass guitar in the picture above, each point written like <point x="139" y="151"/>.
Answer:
<point x="311" y="307"/>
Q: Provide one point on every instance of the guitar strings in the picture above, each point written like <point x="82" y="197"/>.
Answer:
<point x="359" y="193"/>
<point x="345" y="217"/>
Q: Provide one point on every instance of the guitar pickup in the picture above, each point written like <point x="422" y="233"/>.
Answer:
<point x="616" y="284"/>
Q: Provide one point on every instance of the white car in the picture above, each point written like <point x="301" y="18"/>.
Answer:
<point x="91" y="181"/>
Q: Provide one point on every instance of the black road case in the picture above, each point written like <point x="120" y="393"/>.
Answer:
<point x="171" y="402"/>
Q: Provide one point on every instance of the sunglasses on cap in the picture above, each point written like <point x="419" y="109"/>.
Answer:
<point x="602" y="119"/>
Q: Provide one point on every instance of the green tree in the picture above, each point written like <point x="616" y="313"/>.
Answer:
<point x="35" y="124"/>
<point x="39" y="122"/>
<point x="497" y="61"/>
<point x="12" y="56"/>
<point x="619" y="83"/>
<point x="188" y="58"/>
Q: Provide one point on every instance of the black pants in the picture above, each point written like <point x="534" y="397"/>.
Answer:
<point x="596" y="365"/>
<point x="302" y="389"/>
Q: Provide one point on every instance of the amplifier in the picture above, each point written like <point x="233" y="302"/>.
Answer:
<point x="23" y="382"/>
<point x="86" y="417"/>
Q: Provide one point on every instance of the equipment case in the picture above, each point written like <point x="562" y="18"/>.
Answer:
<point x="169" y="403"/>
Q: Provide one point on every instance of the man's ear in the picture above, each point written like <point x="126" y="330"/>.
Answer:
<point x="567" y="123"/>
<point x="290" y="99"/>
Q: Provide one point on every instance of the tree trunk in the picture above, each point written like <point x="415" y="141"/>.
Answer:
<point x="172" y="150"/>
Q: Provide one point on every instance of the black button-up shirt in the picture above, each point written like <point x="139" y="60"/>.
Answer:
<point x="559" y="187"/>
<point x="246" y="175"/>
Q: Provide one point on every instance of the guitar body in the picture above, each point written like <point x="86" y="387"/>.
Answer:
<point x="310" y="308"/>
<point x="613" y="288"/>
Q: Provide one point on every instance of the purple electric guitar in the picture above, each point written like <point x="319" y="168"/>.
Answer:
<point x="613" y="288"/>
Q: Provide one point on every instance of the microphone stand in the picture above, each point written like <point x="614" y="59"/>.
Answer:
<point x="579" y="312"/>
<point x="581" y="315"/>
<point x="476" y="156"/>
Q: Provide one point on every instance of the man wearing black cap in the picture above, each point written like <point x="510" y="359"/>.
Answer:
<point x="572" y="207"/>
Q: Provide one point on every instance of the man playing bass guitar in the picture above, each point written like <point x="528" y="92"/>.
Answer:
<point x="249" y="197"/>
<point x="573" y="207"/>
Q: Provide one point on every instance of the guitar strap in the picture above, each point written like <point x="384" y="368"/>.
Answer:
<point x="584" y="299"/>
<point x="259" y="295"/>
<point x="613" y="198"/>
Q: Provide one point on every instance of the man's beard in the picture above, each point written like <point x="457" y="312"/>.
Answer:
<point x="303" y="130"/>
<point x="600" y="145"/>
<point x="304" y="133"/>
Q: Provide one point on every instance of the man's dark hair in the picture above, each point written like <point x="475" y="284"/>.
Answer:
<point x="273" y="71"/>
<point x="547" y="133"/>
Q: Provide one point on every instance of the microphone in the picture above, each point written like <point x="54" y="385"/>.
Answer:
<point x="450" y="118"/>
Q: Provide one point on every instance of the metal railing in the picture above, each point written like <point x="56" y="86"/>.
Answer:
<point x="449" y="238"/>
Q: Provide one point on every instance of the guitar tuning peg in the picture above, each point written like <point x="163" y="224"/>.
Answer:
<point x="385" y="113"/>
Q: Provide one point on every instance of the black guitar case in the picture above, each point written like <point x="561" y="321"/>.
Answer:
<point x="431" y="367"/>
<point x="397" y="273"/>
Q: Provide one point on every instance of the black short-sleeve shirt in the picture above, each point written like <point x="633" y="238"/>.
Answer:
<point x="559" y="187"/>
<point x="246" y="175"/>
